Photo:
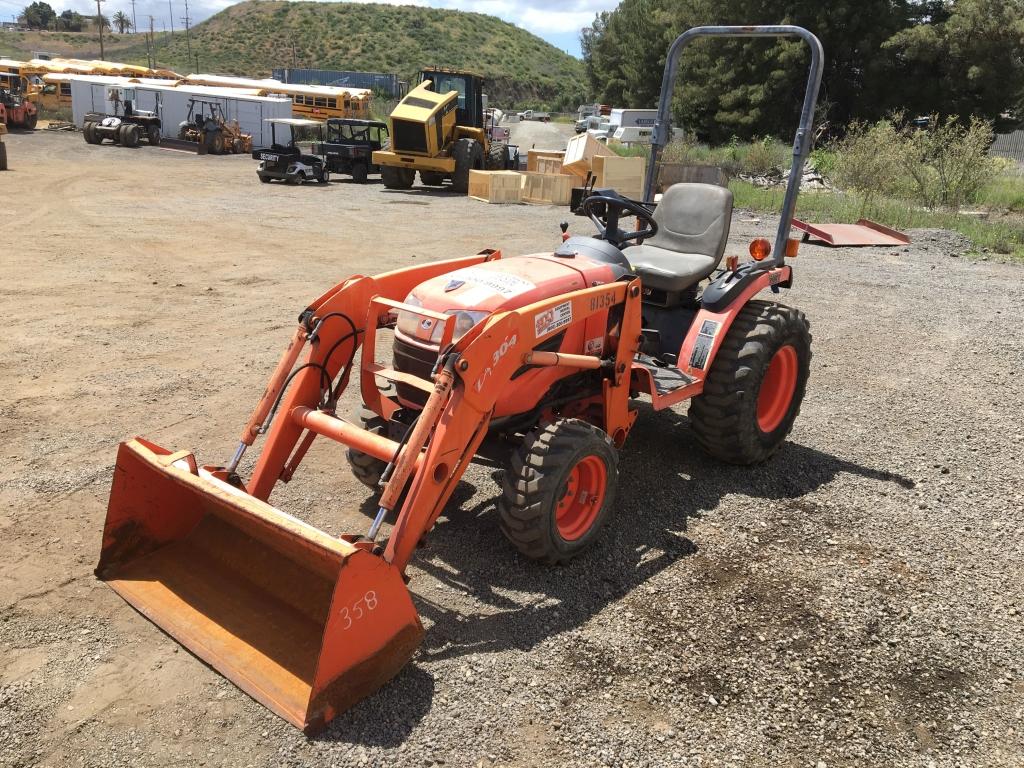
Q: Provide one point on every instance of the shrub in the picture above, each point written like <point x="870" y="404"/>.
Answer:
<point x="947" y="165"/>
<point x="868" y="161"/>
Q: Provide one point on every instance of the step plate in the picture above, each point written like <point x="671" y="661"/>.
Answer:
<point x="666" y="378"/>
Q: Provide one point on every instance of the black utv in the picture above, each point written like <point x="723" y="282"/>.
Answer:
<point x="286" y="161"/>
<point x="350" y="145"/>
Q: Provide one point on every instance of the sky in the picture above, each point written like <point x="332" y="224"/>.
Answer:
<point x="557" y="21"/>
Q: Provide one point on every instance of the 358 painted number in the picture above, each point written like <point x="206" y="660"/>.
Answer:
<point x="358" y="609"/>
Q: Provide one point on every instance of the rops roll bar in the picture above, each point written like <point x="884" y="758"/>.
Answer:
<point x="801" y="143"/>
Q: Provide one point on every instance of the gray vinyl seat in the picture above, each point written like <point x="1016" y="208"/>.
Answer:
<point x="693" y="227"/>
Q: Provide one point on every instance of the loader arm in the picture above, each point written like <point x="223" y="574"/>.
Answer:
<point x="480" y="368"/>
<point x="304" y="622"/>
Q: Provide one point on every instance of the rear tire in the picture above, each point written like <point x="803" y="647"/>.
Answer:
<point x="496" y="155"/>
<point x="325" y="176"/>
<point x="397" y="178"/>
<point x="32" y="121"/>
<point x="87" y="133"/>
<point x="558" y="491"/>
<point x="432" y="178"/>
<point x="214" y="142"/>
<point x="757" y="381"/>
<point x="3" y="156"/>
<point x="469" y="156"/>
<point x="368" y="469"/>
<point x="359" y="172"/>
<point x="131" y="136"/>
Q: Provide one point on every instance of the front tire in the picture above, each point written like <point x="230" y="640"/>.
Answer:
<point x="757" y="381"/>
<point x="365" y="468"/>
<point x="397" y="178"/>
<point x="469" y="156"/>
<point x="359" y="172"/>
<point x="558" y="491"/>
<point x="153" y="135"/>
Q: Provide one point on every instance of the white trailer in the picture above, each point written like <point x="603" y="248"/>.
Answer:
<point x="170" y="103"/>
<point x="633" y="118"/>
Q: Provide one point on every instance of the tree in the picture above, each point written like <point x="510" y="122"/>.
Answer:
<point x="122" y="22"/>
<point x="38" y="15"/>
<point x="958" y="57"/>
<point x="70" y="21"/>
<point x="101" y="22"/>
<point x="972" y="58"/>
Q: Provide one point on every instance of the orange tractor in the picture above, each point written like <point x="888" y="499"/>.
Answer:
<point x="549" y="351"/>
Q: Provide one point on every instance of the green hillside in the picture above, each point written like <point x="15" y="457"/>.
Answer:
<point x="251" y="38"/>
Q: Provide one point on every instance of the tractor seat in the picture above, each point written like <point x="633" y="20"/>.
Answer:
<point x="693" y="227"/>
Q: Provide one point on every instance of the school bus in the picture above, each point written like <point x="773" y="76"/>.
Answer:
<point x="316" y="102"/>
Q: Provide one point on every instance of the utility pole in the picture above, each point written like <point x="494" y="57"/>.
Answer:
<point x="151" y="45"/>
<point x="188" y="40"/>
<point x="170" y="11"/>
<point x="99" y="23"/>
<point x="135" y="23"/>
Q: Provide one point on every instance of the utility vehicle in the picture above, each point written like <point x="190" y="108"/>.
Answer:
<point x="285" y="160"/>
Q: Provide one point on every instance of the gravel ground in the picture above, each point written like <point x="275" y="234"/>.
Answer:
<point x="856" y="601"/>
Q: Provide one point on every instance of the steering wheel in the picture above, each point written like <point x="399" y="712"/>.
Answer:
<point x="607" y="221"/>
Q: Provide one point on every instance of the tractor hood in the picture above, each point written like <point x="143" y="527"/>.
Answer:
<point x="500" y="284"/>
<point x="473" y="293"/>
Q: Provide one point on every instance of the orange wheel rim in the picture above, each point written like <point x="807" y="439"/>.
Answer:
<point x="777" y="389"/>
<point x="583" y="498"/>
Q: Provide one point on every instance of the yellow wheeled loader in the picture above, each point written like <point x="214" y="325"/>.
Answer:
<point x="442" y="130"/>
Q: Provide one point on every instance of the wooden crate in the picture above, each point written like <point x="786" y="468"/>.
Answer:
<point x="548" y="188"/>
<point x="548" y="165"/>
<point x="623" y="174"/>
<point x="496" y="186"/>
<point x="533" y="156"/>
<point x="580" y="153"/>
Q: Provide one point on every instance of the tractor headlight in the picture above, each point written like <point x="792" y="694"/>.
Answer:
<point x="407" y="322"/>
<point x="429" y="330"/>
<point x="464" y="322"/>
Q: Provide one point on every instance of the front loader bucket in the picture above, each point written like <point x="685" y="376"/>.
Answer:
<point x="305" y="623"/>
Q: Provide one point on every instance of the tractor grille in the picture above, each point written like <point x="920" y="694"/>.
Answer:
<point x="409" y="136"/>
<point x="409" y="358"/>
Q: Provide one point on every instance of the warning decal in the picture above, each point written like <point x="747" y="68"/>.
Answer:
<point x="552" y="319"/>
<point x="702" y="346"/>
<point x="502" y="283"/>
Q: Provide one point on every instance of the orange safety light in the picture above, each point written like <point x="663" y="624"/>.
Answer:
<point x="732" y="263"/>
<point x="792" y="247"/>
<point x="760" y="249"/>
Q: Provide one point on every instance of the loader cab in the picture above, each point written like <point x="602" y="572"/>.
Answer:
<point x="470" y="110"/>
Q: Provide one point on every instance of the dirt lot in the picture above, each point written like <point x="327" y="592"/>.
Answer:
<point x="856" y="601"/>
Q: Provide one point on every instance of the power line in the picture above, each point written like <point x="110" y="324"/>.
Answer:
<point x="99" y="23"/>
<point x="188" y="39"/>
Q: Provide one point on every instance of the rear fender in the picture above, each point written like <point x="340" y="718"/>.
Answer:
<point x="708" y="329"/>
